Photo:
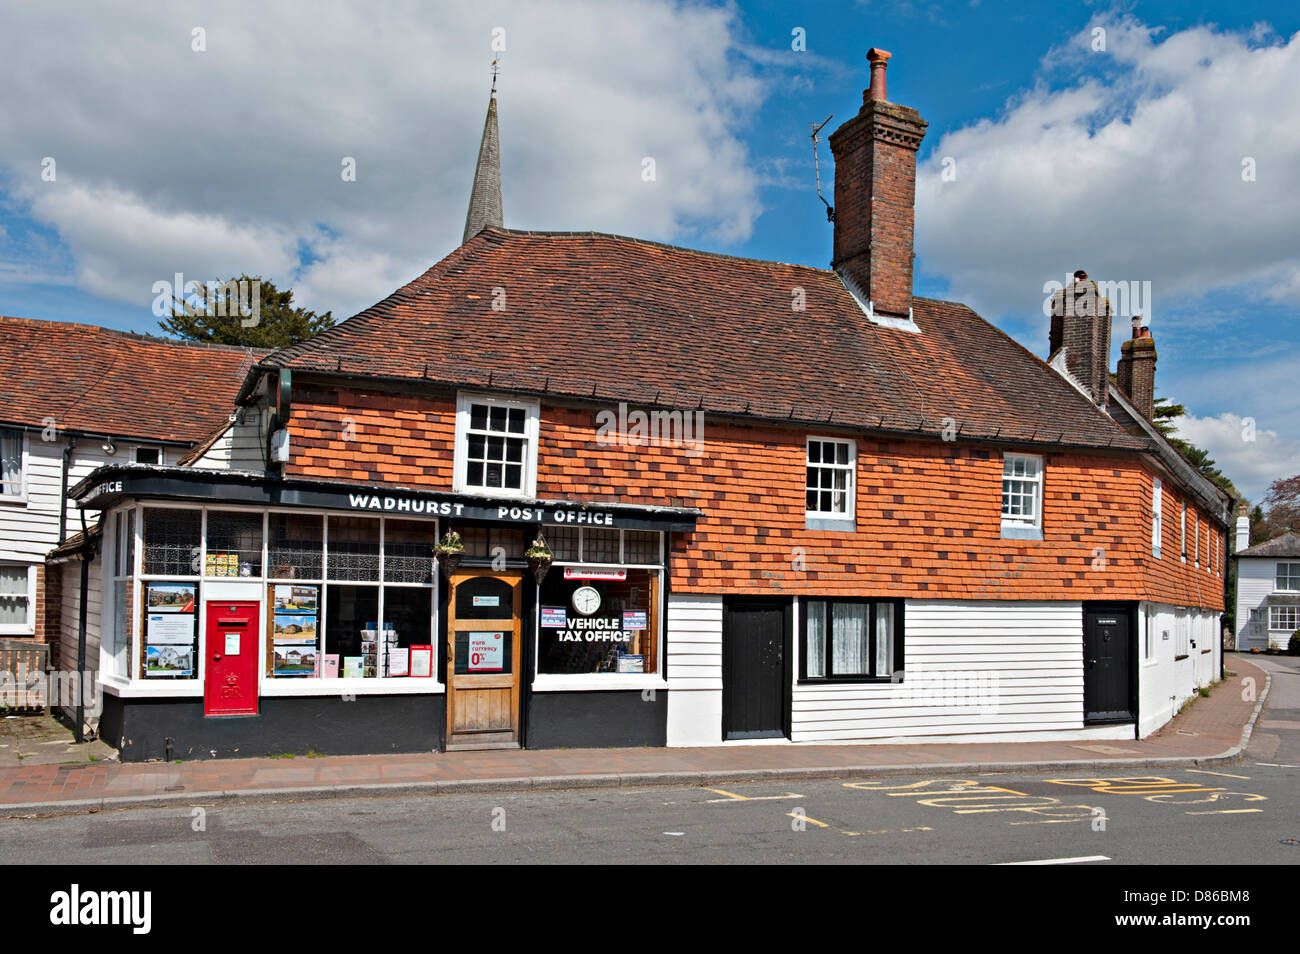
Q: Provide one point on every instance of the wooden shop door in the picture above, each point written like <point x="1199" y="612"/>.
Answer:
<point x="483" y="635"/>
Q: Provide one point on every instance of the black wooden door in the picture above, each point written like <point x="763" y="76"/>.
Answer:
<point x="755" y="669"/>
<point x="1107" y="664"/>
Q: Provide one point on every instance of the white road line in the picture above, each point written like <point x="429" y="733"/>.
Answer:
<point x="1057" y="861"/>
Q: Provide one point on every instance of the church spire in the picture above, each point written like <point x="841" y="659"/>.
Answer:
<point x="485" y="198"/>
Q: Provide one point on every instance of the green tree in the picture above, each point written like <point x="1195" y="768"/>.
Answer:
<point x="213" y="319"/>
<point x="1165" y="417"/>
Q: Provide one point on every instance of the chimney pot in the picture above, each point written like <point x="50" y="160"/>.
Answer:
<point x="879" y="60"/>
<point x="875" y="192"/>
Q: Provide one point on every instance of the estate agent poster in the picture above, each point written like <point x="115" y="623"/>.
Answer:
<point x="294" y="627"/>
<point x="170" y="630"/>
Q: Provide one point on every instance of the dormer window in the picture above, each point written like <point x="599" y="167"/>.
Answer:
<point x="496" y="446"/>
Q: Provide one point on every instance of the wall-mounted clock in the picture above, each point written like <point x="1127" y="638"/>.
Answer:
<point x="586" y="600"/>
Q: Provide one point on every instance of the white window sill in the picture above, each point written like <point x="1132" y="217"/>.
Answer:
<point x="1021" y="531"/>
<point x="596" y="681"/>
<point x="832" y="522"/>
<point x="153" y="689"/>
<point x="393" y="686"/>
<point x="20" y="501"/>
<point x="273" y="688"/>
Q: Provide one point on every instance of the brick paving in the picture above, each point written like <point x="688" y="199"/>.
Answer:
<point x="1209" y="730"/>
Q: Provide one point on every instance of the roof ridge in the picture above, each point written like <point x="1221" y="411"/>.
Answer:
<point x="134" y="335"/>
<point x="552" y="233"/>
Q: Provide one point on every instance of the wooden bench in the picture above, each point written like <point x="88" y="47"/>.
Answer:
<point x="23" y="659"/>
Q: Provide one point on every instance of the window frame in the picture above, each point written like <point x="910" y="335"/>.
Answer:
<point x="899" y="657"/>
<point x="1017" y="526"/>
<point x="1157" y="517"/>
<point x="1291" y="574"/>
<point x="1183" y="531"/>
<point x="24" y="467"/>
<point x="270" y="686"/>
<point x="28" y="628"/>
<point x="1278" y="611"/>
<point x="532" y="413"/>
<point x="849" y="515"/>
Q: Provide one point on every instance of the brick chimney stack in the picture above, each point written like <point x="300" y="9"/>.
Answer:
<point x="1137" y="368"/>
<point x="875" y="192"/>
<point x="1081" y="325"/>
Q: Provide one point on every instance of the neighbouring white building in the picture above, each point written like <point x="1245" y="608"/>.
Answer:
<point x="1268" y="589"/>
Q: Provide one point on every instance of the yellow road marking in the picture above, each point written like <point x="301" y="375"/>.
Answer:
<point x="1052" y="821"/>
<point x="819" y="824"/>
<point x="1224" y="774"/>
<point x="733" y="797"/>
<point x="1228" y="811"/>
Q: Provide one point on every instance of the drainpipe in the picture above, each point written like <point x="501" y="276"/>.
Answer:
<point x="63" y="488"/>
<point x="87" y="556"/>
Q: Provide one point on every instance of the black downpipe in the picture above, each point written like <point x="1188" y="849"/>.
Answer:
<point x="87" y="556"/>
<point x="63" y="488"/>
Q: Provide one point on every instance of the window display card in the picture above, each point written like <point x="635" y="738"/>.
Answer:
<point x="422" y="661"/>
<point x="627" y="663"/>
<point x="398" y="662"/>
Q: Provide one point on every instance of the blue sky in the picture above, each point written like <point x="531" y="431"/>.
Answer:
<point x="1125" y="160"/>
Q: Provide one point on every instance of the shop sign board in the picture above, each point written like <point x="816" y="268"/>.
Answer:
<point x="554" y="617"/>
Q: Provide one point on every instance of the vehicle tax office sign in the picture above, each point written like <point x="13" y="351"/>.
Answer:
<point x="565" y="516"/>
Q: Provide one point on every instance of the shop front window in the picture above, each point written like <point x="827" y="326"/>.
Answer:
<point x="353" y="548"/>
<point x="171" y="541"/>
<point x="350" y="624"/>
<point x="295" y="546"/>
<point x="595" y="621"/>
<point x="234" y="544"/>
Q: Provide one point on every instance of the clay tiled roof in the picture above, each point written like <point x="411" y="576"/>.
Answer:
<point x="609" y="318"/>
<point x="100" y="381"/>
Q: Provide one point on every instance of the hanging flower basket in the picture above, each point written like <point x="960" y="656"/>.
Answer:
<point x="449" y="552"/>
<point x="539" y="558"/>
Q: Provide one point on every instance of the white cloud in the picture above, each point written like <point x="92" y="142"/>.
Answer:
<point x="1134" y="173"/>
<point x="1251" y="456"/>
<point x="228" y="160"/>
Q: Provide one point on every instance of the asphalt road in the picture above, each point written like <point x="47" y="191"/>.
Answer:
<point x="1240" y="815"/>
<point x="1246" y="813"/>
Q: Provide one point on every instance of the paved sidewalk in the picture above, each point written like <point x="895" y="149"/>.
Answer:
<point x="1213" y="729"/>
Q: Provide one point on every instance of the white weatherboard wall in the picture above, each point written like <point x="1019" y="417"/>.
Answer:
<point x="1256" y="577"/>
<point x="29" y="528"/>
<point x="975" y="671"/>
<point x="1164" y="681"/>
<point x="69" y="621"/>
<point x="694" y="670"/>
<point x="239" y="447"/>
